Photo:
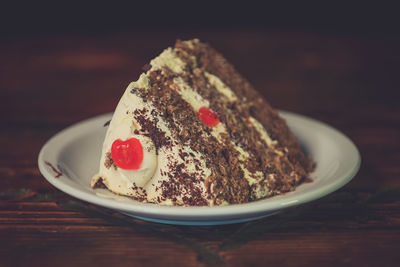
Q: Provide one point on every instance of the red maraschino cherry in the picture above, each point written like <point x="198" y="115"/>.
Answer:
<point x="128" y="154"/>
<point x="208" y="116"/>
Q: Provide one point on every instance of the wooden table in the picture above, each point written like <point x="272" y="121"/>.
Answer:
<point x="350" y="82"/>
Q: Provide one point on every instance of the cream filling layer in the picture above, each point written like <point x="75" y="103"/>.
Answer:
<point x="221" y="87"/>
<point x="261" y="130"/>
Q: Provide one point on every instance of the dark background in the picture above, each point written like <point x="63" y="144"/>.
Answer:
<point x="90" y="17"/>
<point x="283" y="33"/>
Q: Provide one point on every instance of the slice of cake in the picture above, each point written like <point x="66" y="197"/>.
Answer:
<point x="191" y="131"/>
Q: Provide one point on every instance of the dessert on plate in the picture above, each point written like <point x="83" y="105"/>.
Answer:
<point x="192" y="131"/>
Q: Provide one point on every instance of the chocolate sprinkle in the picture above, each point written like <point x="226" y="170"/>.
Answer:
<point x="149" y="128"/>
<point x="107" y="123"/>
<point x="146" y="67"/>
<point x="109" y="161"/>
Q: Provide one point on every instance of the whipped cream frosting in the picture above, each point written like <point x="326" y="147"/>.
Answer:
<point x="144" y="183"/>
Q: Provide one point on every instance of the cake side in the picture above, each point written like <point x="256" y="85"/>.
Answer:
<point x="213" y="62"/>
<point x="241" y="156"/>
<point x="279" y="157"/>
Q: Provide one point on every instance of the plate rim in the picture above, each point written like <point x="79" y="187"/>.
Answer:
<point x="198" y="213"/>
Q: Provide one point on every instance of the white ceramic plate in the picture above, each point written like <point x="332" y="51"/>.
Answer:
<point x="70" y="158"/>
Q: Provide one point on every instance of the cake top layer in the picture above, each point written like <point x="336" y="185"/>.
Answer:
<point x="208" y="137"/>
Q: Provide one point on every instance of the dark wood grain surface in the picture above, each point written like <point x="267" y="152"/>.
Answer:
<point x="351" y="82"/>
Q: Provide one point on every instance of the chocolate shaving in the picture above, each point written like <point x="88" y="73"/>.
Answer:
<point x="146" y="67"/>
<point x="55" y="170"/>
<point x="108" y="162"/>
<point x="99" y="184"/>
<point x="107" y="123"/>
<point x="149" y="128"/>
